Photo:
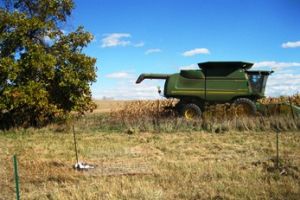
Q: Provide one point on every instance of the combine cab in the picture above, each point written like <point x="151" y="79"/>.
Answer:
<point x="212" y="83"/>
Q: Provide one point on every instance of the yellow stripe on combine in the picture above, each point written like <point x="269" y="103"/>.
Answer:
<point x="209" y="92"/>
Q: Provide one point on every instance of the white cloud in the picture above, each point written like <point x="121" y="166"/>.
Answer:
<point x="196" y="51"/>
<point x="192" y="66"/>
<point x="140" y="44"/>
<point x="129" y="90"/>
<point x="65" y="32"/>
<point x="275" y="65"/>
<point x="149" y="51"/>
<point x="283" y="84"/>
<point x="283" y="81"/>
<point x="291" y="44"/>
<point x="48" y="40"/>
<point x="115" y="39"/>
<point x="119" y="75"/>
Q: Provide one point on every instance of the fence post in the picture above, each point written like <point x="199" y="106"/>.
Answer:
<point x="75" y="144"/>
<point x="16" y="177"/>
<point x="277" y="149"/>
<point x="292" y="110"/>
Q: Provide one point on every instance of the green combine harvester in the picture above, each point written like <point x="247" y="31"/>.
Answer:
<point x="213" y="83"/>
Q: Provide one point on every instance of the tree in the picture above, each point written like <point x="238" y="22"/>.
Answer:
<point x="44" y="73"/>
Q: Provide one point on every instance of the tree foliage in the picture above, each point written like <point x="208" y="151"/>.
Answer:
<point x="44" y="73"/>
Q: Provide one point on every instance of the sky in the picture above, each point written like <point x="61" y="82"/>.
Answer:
<point x="163" y="36"/>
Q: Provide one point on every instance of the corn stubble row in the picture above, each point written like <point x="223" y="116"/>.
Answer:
<point x="154" y="116"/>
<point x="160" y="108"/>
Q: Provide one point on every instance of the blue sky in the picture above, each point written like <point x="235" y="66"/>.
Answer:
<point x="163" y="36"/>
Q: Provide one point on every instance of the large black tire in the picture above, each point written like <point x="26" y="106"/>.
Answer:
<point x="179" y="106"/>
<point x="248" y="106"/>
<point x="190" y="111"/>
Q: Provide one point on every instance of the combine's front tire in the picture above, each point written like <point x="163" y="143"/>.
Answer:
<point x="245" y="107"/>
<point x="191" y="111"/>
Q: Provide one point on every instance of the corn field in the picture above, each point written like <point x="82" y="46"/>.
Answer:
<point x="160" y="108"/>
<point x="295" y="99"/>
<point x="154" y="116"/>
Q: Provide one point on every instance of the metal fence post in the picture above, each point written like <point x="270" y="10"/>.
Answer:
<point x="291" y="107"/>
<point x="277" y="149"/>
<point x="75" y="144"/>
<point x="16" y="177"/>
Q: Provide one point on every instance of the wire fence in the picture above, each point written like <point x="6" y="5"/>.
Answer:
<point x="40" y="172"/>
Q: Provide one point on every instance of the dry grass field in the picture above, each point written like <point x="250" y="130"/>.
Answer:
<point x="143" y="152"/>
<point x="194" y="165"/>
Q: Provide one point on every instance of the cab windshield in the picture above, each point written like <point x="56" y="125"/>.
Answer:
<point x="258" y="80"/>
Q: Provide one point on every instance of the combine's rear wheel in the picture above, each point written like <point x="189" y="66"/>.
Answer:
<point x="191" y="111"/>
<point x="245" y="107"/>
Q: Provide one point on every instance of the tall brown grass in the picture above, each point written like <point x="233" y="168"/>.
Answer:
<point x="156" y="116"/>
